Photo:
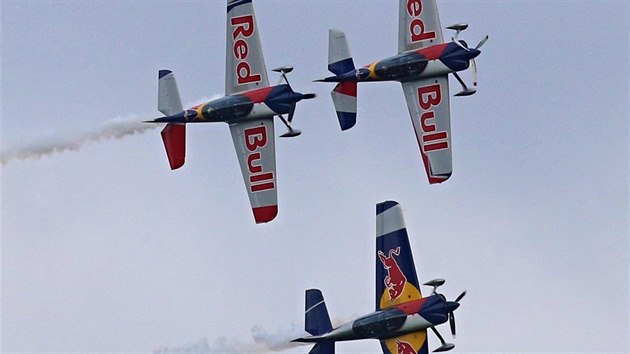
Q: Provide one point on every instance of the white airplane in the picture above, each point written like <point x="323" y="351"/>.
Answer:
<point x="422" y="66"/>
<point x="248" y="108"/>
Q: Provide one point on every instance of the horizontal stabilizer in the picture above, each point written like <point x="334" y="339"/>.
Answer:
<point x="344" y="97"/>
<point x="317" y="321"/>
<point x="174" y="138"/>
<point x="323" y="348"/>
<point x="169" y="102"/>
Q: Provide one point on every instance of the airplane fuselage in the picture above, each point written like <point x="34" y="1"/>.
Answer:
<point x="254" y="104"/>
<point x="393" y="321"/>
<point x="432" y="61"/>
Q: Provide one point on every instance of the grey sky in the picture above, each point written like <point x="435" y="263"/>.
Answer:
<point x="106" y="250"/>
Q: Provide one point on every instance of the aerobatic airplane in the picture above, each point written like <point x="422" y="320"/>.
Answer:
<point x="402" y="315"/>
<point x="248" y="108"/>
<point x="422" y="65"/>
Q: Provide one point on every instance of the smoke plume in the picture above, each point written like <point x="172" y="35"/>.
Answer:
<point x="116" y="128"/>
<point x="261" y="342"/>
<point x="60" y="142"/>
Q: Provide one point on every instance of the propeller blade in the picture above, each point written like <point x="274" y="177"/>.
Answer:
<point x="461" y="296"/>
<point x="474" y="71"/>
<point x="481" y="42"/>
<point x="451" y="321"/>
<point x="292" y="111"/>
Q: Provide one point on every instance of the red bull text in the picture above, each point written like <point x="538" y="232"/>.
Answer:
<point x="416" y="26"/>
<point x="244" y="27"/>
<point x="256" y="138"/>
<point x="432" y="140"/>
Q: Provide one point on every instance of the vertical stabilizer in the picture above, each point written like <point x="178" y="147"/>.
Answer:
<point x="317" y="321"/>
<point x="339" y="57"/>
<point x="169" y="102"/>
<point x="396" y="279"/>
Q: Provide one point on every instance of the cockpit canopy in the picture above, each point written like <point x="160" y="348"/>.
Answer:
<point x="380" y="323"/>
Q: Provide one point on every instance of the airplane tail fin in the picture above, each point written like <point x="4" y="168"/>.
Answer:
<point x="169" y="103"/>
<point x="396" y="279"/>
<point x="316" y="319"/>
<point x="344" y="97"/>
<point x="339" y="58"/>
<point x="174" y="138"/>
<point x="345" y="93"/>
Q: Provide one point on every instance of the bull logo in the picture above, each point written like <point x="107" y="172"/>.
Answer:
<point x="405" y="348"/>
<point x="395" y="279"/>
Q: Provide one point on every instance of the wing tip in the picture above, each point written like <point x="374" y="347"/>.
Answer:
<point x="439" y="178"/>
<point x="383" y="206"/>
<point x="265" y="214"/>
<point x="163" y="73"/>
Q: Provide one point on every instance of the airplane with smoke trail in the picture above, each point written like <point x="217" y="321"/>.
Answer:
<point x="402" y="314"/>
<point x="249" y="108"/>
<point x="422" y="66"/>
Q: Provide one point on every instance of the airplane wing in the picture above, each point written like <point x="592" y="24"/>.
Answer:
<point x="418" y="25"/>
<point x="411" y="343"/>
<point x="244" y="62"/>
<point x="429" y="108"/>
<point x="396" y="279"/>
<point x="254" y="144"/>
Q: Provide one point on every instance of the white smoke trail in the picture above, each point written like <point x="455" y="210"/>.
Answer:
<point x="60" y="142"/>
<point x="116" y="128"/>
<point x="260" y="343"/>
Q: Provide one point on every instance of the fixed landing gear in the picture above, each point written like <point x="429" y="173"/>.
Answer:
<point x="466" y="91"/>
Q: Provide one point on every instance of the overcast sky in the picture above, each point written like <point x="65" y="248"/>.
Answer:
<point x="104" y="249"/>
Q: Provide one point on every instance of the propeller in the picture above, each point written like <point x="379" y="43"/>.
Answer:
<point x="474" y="71"/>
<point x="481" y="42"/>
<point x="451" y="315"/>
<point x="472" y="61"/>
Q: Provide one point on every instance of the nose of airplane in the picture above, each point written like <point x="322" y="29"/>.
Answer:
<point x="451" y="306"/>
<point x="474" y="52"/>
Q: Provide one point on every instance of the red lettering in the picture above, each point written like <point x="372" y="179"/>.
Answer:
<point x="434" y="136"/>
<point x="423" y="121"/>
<point x="244" y="74"/>
<point x="432" y="140"/>
<point x="261" y="177"/>
<point x="433" y="96"/>
<point x="244" y="26"/>
<point x="416" y="27"/>
<point x="262" y="187"/>
<point x="436" y="146"/>
<point x="250" y="163"/>
<point x="255" y="137"/>
<point x="418" y="36"/>
<point x="241" y="22"/>
<point x="240" y="49"/>
<point x="414" y="7"/>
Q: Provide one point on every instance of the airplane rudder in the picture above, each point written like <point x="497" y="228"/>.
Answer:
<point x="169" y="101"/>
<point x="339" y="58"/>
<point x="316" y="318"/>
<point x="344" y="97"/>
<point x="174" y="138"/>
